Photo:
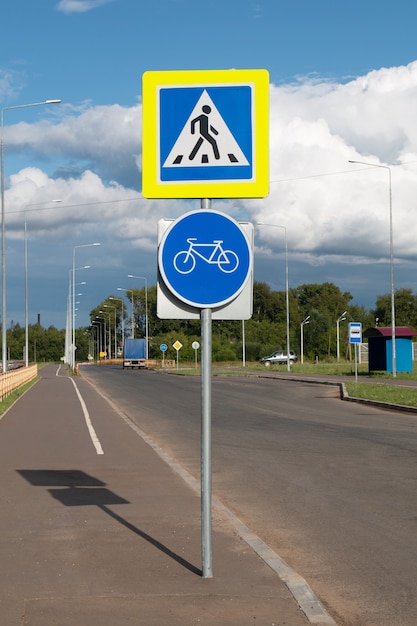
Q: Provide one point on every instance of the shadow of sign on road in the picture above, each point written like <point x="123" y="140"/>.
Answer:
<point x="76" y="488"/>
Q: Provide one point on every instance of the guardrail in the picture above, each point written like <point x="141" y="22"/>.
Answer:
<point x="9" y="381"/>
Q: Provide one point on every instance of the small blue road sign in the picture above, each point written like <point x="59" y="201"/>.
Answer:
<point x="355" y="332"/>
<point x="205" y="259"/>
<point x="163" y="347"/>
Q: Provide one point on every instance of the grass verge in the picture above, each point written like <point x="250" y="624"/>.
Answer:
<point x="378" y="391"/>
<point x="383" y="393"/>
<point x="9" y="400"/>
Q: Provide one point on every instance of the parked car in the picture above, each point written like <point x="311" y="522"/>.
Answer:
<point x="279" y="357"/>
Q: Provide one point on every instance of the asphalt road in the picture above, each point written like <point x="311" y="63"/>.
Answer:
<point x="330" y="486"/>
<point x="96" y="528"/>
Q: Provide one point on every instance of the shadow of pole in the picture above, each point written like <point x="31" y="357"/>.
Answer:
<point x="76" y="488"/>
<point x="160" y="546"/>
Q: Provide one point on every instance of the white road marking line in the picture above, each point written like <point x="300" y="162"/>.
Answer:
<point x="307" y="600"/>
<point x="92" y="432"/>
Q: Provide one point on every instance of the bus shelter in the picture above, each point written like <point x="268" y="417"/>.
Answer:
<point x="380" y="348"/>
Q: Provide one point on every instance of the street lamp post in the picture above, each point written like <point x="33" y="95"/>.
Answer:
<point x="305" y="321"/>
<point x="109" y="327"/>
<point x="146" y="311"/>
<point x="98" y="317"/>
<point x="115" y="328"/>
<point x="86" y="245"/>
<point x="70" y="340"/>
<point x="68" y="333"/>
<point x="123" y="320"/>
<point x="287" y="306"/>
<point x="97" y="326"/>
<point x="339" y="319"/>
<point x="26" y="283"/>
<point x="132" y="329"/>
<point x="391" y="253"/>
<point x="3" y="225"/>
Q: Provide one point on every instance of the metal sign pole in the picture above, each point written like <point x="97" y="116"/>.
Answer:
<point x="206" y="488"/>
<point x="206" y="530"/>
<point x="355" y="337"/>
<point x="227" y="280"/>
<point x="356" y="363"/>
<point x="227" y="274"/>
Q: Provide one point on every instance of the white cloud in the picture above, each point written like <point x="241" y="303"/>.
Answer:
<point x="11" y="81"/>
<point x="336" y="214"/>
<point x="327" y="204"/>
<point x="106" y="139"/>
<point x="79" y="6"/>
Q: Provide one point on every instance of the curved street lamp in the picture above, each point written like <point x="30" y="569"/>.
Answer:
<point x="391" y="254"/>
<point x="132" y="330"/>
<point x="26" y="278"/>
<point x="123" y="321"/>
<point x="97" y="325"/>
<point x="305" y="321"/>
<point x="3" y="224"/>
<point x="107" y="306"/>
<point x="341" y="318"/>
<point x="85" y="245"/>
<point x="99" y="317"/>
<point x="109" y="330"/>
<point x="69" y="335"/>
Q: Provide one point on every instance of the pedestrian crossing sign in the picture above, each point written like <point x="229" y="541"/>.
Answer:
<point x="205" y="134"/>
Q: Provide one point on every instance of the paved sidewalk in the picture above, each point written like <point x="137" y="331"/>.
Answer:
<point x="118" y="543"/>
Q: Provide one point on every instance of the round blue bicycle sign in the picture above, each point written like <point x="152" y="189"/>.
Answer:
<point x="205" y="258"/>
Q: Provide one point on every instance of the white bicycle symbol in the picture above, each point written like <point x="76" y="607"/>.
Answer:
<point x="226" y="260"/>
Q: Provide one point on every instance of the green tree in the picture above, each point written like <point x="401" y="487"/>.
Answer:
<point x="263" y="302"/>
<point x="405" y="309"/>
<point x="324" y="303"/>
<point x="112" y="315"/>
<point x="265" y="332"/>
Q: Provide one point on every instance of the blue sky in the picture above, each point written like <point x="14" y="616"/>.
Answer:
<point x="98" y="51"/>
<point x="343" y="86"/>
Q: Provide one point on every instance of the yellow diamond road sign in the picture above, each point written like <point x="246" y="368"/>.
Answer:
<point x="205" y="134"/>
<point x="177" y="345"/>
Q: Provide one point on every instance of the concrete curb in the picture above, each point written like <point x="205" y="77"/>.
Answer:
<point x="305" y="597"/>
<point x="344" y="393"/>
<point x="382" y="405"/>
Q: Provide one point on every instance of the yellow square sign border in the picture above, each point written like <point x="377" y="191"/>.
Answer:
<point x="152" y="81"/>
